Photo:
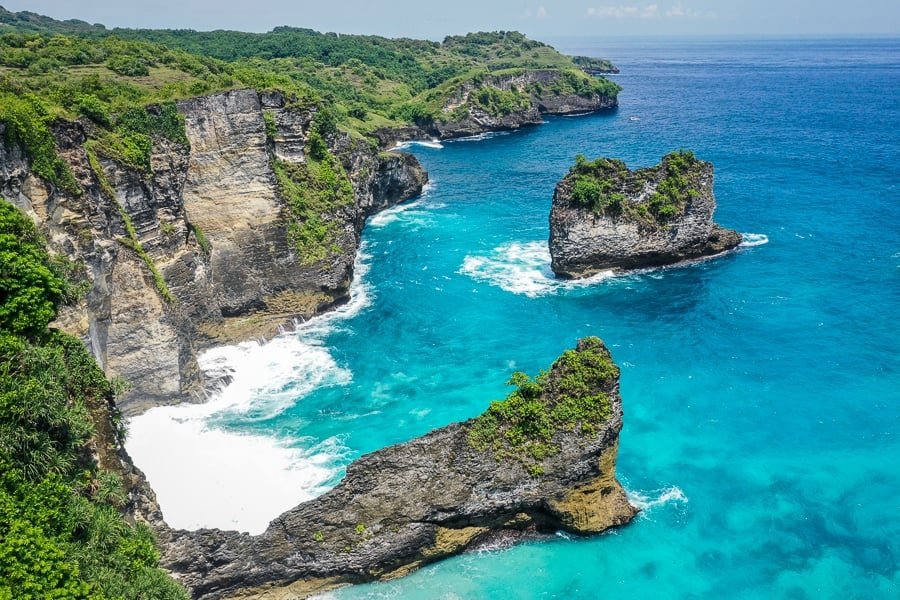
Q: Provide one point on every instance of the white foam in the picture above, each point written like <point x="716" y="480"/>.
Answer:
<point x="523" y="268"/>
<point x="407" y="210"/>
<point x="646" y="501"/>
<point x="207" y="476"/>
<point x="434" y="143"/>
<point x="753" y="239"/>
<point x="480" y="136"/>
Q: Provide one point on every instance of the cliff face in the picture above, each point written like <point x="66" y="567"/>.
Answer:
<point x="410" y="504"/>
<point x="605" y="216"/>
<point x="211" y="220"/>
<point x="539" y="92"/>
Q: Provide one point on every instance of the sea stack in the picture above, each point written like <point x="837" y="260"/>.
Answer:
<point x="608" y="217"/>
<point x="542" y="460"/>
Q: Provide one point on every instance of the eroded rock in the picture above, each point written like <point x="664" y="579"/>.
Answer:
<point x="607" y="217"/>
<point x="542" y="461"/>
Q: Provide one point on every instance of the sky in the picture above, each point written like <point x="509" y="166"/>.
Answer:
<point x="540" y="18"/>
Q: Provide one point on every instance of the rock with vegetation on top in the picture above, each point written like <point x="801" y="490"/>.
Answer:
<point x="246" y="214"/>
<point x="541" y="460"/>
<point x="607" y="217"/>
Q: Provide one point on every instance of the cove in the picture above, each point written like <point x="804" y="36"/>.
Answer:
<point x="761" y="412"/>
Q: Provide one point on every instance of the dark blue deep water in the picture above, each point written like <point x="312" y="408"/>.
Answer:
<point x="761" y="390"/>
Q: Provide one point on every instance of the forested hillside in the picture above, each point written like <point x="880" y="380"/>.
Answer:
<point x="62" y="534"/>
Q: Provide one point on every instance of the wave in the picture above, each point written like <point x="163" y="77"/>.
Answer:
<point x="434" y="144"/>
<point x="207" y="474"/>
<point x="480" y="136"/>
<point x="408" y="211"/>
<point x="753" y="239"/>
<point x="647" y="501"/>
<point x="523" y="268"/>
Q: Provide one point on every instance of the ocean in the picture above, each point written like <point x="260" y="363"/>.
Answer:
<point x="761" y="389"/>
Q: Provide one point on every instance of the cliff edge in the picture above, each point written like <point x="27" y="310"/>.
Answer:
<point x="231" y="230"/>
<point x="542" y="460"/>
<point x="607" y="217"/>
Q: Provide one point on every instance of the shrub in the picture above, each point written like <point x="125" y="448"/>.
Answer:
<point x="27" y="122"/>
<point x="29" y="288"/>
<point x="130" y="66"/>
<point x="569" y="397"/>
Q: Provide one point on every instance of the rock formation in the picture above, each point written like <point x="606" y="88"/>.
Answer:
<point x="539" y="92"/>
<point x="211" y="259"/>
<point x="607" y="217"/>
<point x="543" y="460"/>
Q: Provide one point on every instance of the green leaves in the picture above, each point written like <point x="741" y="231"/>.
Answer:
<point x="29" y="289"/>
<point x="313" y="190"/>
<point x="27" y="122"/>
<point x="570" y="397"/>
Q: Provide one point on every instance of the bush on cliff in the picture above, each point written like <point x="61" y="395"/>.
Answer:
<point x="604" y="185"/>
<point x="570" y="397"/>
<point x="61" y="531"/>
<point x="29" y="288"/>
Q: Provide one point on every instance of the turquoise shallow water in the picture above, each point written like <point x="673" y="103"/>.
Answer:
<point x="762" y="417"/>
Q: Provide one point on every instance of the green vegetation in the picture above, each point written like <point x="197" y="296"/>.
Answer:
<point x="499" y="102"/>
<point x="314" y="190"/>
<point x="573" y="81"/>
<point x="570" y="397"/>
<point x="30" y="289"/>
<point x="595" y="65"/>
<point x="605" y="184"/>
<point x="369" y="81"/>
<point x="132" y="241"/>
<point x="677" y="188"/>
<point x="205" y="246"/>
<point x="27" y="124"/>
<point x="61" y="531"/>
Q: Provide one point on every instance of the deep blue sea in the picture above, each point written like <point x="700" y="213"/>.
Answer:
<point x="761" y="390"/>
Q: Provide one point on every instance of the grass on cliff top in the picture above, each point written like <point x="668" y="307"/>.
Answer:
<point x="568" y="397"/>
<point x="607" y="187"/>
<point x="62" y="534"/>
<point x="370" y="81"/>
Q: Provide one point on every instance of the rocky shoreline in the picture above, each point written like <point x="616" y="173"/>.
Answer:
<point x="197" y="252"/>
<point x="478" y="120"/>
<point x="460" y="485"/>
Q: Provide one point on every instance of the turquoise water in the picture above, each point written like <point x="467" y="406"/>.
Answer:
<point x="761" y="390"/>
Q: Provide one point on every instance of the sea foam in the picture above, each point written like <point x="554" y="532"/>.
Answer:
<point x="415" y="212"/>
<point x="207" y="474"/>
<point x="522" y="268"/>
<point x="753" y="239"/>
<point x="647" y="501"/>
<point x="433" y="144"/>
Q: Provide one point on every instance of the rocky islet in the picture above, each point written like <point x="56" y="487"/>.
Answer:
<point x="607" y="217"/>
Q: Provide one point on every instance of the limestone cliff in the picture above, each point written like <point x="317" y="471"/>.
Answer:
<point x="197" y="251"/>
<point x="474" y="106"/>
<point x="605" y="216"/>
<point x="541" y="461"/>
